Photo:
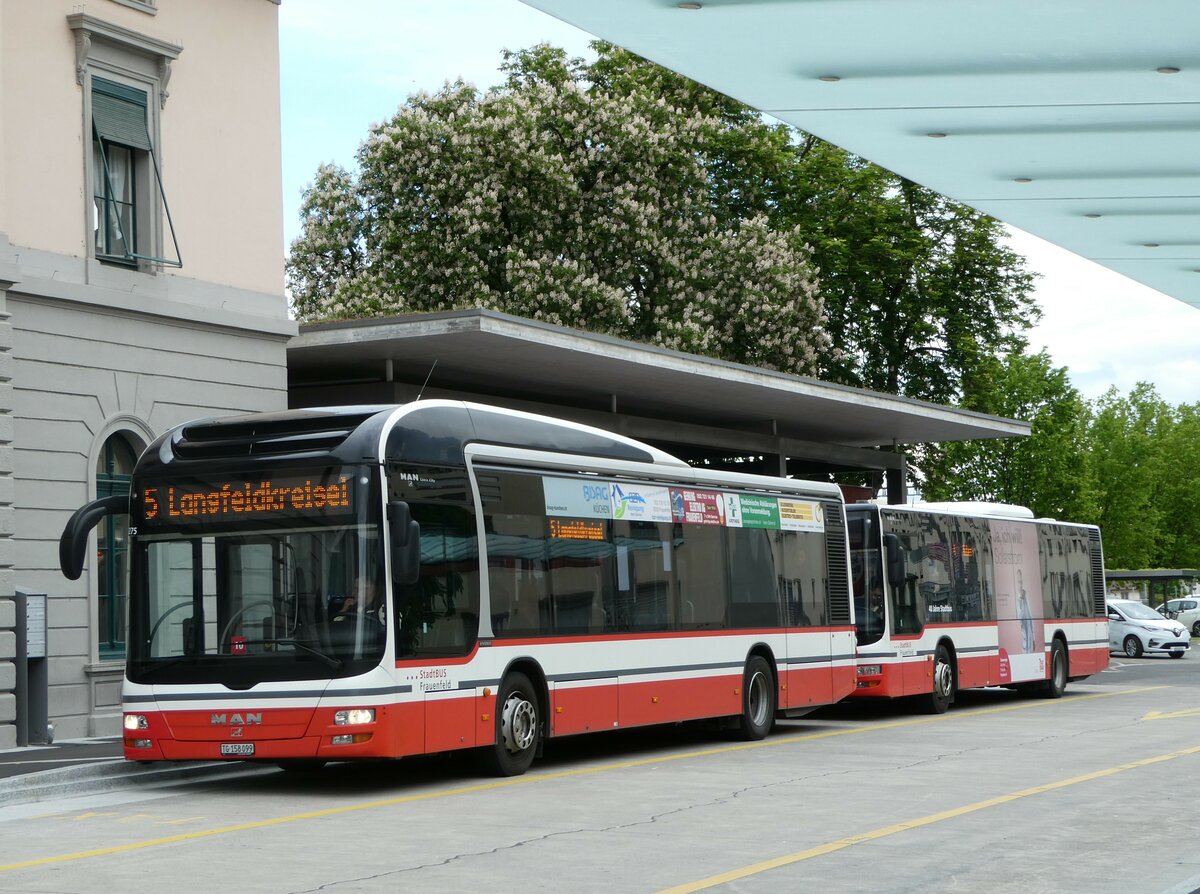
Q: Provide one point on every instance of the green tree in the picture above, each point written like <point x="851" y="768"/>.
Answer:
<point x="621" y="197"/>
<point x="918" y="289"/>
<point x="1047" y="471"/>
<point x="550" y="198"/>
<point x="1125" y="445"/>
<point x="1179" y="491"/>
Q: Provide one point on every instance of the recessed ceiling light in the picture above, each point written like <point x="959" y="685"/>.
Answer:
<point x="689" y="6"/>
<point x="1022" y="180"/>
<point x="1167" y="70"/>
<point x="936" y="136"/>
<point x="829" y="79"/>
<point x="1150" y="245"/>
<point x="1093" y="216"/>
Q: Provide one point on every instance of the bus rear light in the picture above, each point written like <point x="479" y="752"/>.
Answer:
<point x="869" y="670"/>
<point x="355" y="739"/>
<point x="354" y="717"/>
<point x="136" y="721"/>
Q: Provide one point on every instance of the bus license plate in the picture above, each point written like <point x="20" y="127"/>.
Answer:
<point x="241" y="749"/>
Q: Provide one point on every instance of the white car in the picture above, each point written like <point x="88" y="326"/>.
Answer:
<point x="1186" y="611"/>
<point x="1134" y="629"/>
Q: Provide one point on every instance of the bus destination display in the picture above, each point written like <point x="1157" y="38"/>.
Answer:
<point x="200" y="502"/>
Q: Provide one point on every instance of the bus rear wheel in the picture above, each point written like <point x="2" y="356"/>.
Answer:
<point x="758" y="700"/>
<point x="1057" y="684"/>
<point x="518" y="725"/>
<point x="938" y="701"/>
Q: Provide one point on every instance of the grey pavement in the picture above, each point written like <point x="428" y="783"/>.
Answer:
<point x="90" y="766"/>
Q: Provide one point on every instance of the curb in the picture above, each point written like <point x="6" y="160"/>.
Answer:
<point x="99" y="778"/>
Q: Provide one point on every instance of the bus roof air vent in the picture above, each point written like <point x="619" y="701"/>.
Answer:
<point x="298" y="432"/>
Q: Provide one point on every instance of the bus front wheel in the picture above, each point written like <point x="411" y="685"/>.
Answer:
<point x="938" y="701"/>
<point x="518" y="725"/>
<point x="758" y="700"/>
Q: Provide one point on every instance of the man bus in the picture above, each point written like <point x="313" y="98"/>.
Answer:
<point x="373" y="582"/>
<point x="959" y="596"/>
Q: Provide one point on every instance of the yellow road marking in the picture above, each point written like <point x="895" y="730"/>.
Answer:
<point x="134" y="817"/>
<point x="765" y="866"/>
<point x="1167" y="715"/>
<point x="545" y="777"/>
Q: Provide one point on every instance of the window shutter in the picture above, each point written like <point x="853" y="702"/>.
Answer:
<point x="119" y="114"/>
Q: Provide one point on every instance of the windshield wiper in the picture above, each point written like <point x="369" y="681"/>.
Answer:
<point x="165" y="663"/>
<point x="304" y="647"/>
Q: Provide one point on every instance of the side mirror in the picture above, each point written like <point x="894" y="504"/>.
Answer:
<point x="72" y="545"/>
<point x="405" y="543"/>
<point x="895" y="559"/>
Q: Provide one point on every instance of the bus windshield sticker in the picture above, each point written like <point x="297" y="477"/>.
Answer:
<point x="203" y="502"/>
<point x="801" y="515"/>
<point x="746" y="511"/>
<point x="576" y="498"/>
<point x="697" y="507"/>
<point x="635" y="502"/>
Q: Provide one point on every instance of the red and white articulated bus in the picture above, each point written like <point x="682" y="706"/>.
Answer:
<point x="374" y="582"/>
<point x="959" y="596"/>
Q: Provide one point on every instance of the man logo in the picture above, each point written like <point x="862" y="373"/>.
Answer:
<point x="235" y="719"/>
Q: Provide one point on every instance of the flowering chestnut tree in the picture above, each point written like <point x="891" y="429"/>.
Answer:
<point x="553" y="198"/>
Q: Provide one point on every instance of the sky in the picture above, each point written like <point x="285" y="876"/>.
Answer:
<point x="350" y="64"/>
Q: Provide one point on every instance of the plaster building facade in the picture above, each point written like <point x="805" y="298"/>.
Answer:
<point x="141" y="285"/>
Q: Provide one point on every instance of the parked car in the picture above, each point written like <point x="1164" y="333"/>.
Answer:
<point x="1186" y="611"/>
<point x="1134" y="629"/>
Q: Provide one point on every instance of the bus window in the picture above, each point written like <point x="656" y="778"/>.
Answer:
<point x="698" y="554"/>
<point x="753" y="582"/>
<point x="439" y="614"/>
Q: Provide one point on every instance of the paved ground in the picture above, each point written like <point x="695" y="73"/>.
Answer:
<point x="71" y="753"/>
<point x="1089" y="793"/>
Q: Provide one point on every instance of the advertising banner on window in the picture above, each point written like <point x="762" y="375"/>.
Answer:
<point x="697" y="507"/>
<point x="746" y="511"/>
<point x="636" y="502"/>
<point x="1019" y="608"/>
<point x="576" y="498"/>
<point x="801" y="515"/>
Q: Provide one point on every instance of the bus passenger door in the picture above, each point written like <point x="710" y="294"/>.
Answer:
<point x="811" y="640"/>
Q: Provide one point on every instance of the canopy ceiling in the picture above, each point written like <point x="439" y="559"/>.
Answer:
<point x="1075" y="120"/>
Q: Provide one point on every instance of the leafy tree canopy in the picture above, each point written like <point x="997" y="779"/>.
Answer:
<point x="620" y="197"/>
<point x="550" y="198"/>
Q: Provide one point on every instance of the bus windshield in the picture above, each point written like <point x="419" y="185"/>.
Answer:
<point x="288" y="592"/>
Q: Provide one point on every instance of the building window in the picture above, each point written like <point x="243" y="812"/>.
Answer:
<point x="120" y="152"/>
<point x="114" y="467"/>
<point x="125" y="76"/>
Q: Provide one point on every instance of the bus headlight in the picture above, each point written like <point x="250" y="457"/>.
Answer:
<point x="869" y="670"/>
<point x="354" y="717"/>
<point x="136" y="721"/>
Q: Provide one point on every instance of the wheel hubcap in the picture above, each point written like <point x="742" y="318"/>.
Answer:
<point x="757" y="698"/>
<point x="943" y="680"/>
<point x="518" y="724"/>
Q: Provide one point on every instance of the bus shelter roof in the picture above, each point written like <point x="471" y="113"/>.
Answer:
<point x="1155" y="574"/>
<point x="695" y="407"/>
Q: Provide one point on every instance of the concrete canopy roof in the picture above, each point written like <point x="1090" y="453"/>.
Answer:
<point x="567" y="372"/>
<point x="1076" y="120"/>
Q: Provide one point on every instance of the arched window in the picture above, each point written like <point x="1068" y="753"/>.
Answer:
<point x="114" y="467"/>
